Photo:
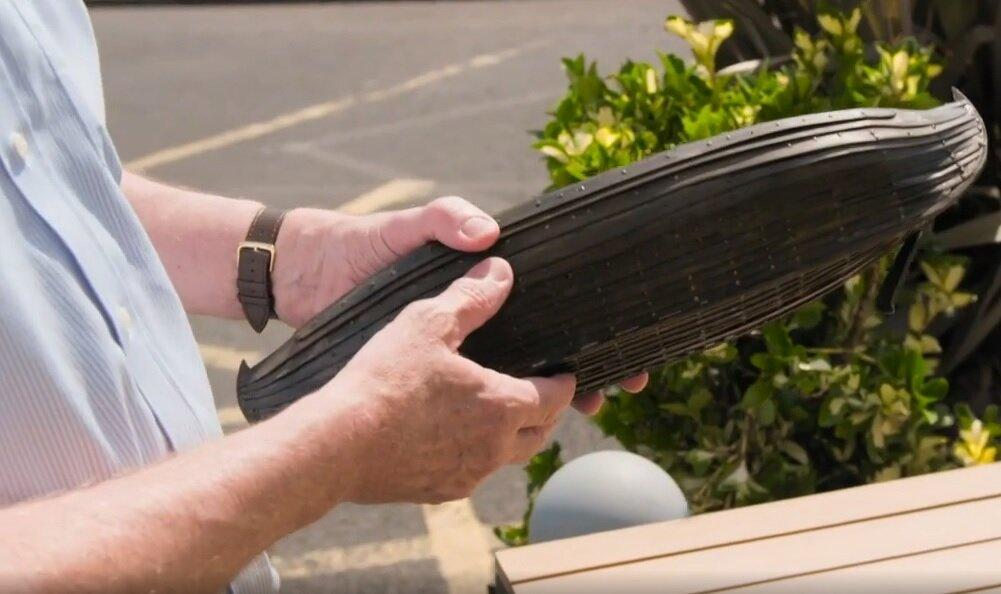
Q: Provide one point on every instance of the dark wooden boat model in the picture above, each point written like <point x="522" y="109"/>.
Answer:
<point x="681" y="251"/>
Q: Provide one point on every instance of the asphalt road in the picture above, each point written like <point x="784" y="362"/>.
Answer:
<point x="360" y="106"/>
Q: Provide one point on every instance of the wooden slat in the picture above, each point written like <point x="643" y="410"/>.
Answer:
<point x="804" y="514"/>
<point x="967" y="569"/>
<point x="762" y="560"/>
<point x="988" y="590"/>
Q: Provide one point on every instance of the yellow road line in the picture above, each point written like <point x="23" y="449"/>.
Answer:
<point x="231" y="418"/>
<point x="363" y="556"/>
<point x="461" y="544"/>
<point x="237" y="135"/>
<point x="391" y="193"/>
<point x="226" y="358"/>
<point x="317" y="111"/>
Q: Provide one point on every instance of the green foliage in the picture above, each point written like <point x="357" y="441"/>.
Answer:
<point x="964" y="33"/>
<point x="604" y="123"/>
<point x="834" y="395"/>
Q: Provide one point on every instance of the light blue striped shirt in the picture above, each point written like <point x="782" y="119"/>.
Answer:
<point x="99" y="371"/>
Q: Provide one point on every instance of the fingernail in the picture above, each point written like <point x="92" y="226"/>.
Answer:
<point x="500" y="270"/>
<point x="477" y="227"/>
<point x="493" y="269"/>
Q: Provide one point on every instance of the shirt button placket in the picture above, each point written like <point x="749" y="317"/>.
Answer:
<point x="20" y="146"/>
<point x="125" y="321"/>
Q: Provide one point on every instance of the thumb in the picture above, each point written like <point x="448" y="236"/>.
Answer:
<point x="472" y="300"/>
<point x="449" y="220"/>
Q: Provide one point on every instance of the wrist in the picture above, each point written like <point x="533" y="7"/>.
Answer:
<point x="223" y="222"/>
<point x="300" y="279"/>
<point x="337" y="422"/>
<point x="256" y="257"/>
<point x="287" y="275"/>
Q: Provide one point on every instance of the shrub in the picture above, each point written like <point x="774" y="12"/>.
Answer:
<point x="834" y="395"/>
<point x="965" y="36"/>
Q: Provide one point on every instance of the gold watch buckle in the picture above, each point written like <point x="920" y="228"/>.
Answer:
<point x="258" y="246"/>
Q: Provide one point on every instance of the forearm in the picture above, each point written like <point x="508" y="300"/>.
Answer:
<point x="196" y="236"/>
<point x="190" y="523"/>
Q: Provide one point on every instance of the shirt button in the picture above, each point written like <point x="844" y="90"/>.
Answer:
<point x="125" y="318"/>
<point x="20" y="145"/>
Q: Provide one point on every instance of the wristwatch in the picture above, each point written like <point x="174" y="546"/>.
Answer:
<point x="255" y="260"/>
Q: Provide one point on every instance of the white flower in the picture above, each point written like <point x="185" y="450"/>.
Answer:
<point x="651" y="81"/>
<point x="738" y="477"/>
<point x="552" y="151"/>
<point x="898" y="70"/>
<point x="704" y="38"/>
<point x="606" y="137"/>
<point x="973" y="448"/>
<point x="606" y="117"/>
<point x="576" y="144"/>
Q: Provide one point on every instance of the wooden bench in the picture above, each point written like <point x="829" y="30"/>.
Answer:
<point x="931" y="534"/>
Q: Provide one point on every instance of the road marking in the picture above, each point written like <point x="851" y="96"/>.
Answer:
<point x="365" y="167"/>
<point x="461" y="544"/>
<point x="434" y="118"/>
<point x="388" y="194"/>
<point x="231" y="418"/>
<point x="237" y="135"/>
<point x="363" y="556"/>
<point x="225" y="358"/>
<point x="318" y="111"/>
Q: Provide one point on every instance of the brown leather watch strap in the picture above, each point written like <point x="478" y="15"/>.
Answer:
<point x="255" y="261"/>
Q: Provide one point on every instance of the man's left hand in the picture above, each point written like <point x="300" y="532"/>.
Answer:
<point x="323" y="254"/>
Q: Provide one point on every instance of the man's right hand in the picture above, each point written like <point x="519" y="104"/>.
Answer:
<point x="407" y="419"/>
<point x="431" y="423"/>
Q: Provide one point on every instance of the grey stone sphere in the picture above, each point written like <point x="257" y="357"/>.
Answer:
<point x="604" y="491"/>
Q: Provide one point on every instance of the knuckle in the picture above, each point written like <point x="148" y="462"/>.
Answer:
<point x="474" y="296"/>
<point x="551" y="417"/>
<point x="536" y="433"/>
<point x="428" y="315"/>
<point x="559" y="389"/>
<point x="464" y="487"/>
<point x="462" y="374"/>
<point x="538" y="436"/>
<point x="568" y="385"/>
<point x="448" y="205"/>
<point x="418" y="310"/>
<point x="441" y="370"/>
<point x="507" y="411"/>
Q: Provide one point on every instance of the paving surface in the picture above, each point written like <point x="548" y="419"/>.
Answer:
<point x="360" y="106"/>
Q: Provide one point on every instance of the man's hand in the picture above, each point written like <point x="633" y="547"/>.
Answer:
<point x="323" y="254"/>
<point x="408" y="419"/>
<point x="435" y="424"/>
